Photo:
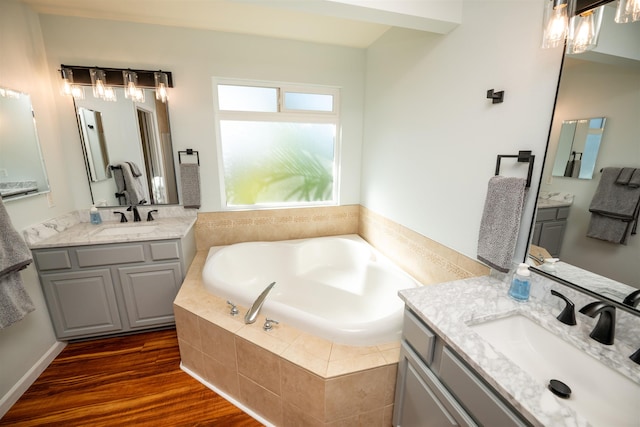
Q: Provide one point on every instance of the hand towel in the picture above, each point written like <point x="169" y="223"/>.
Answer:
<point x="614" y="209"/>
<point x="634" y="180"/>
<point x="500" y="222"/>
<point x="190" y="184"/>
<point x="624" y="176"/>
<point x="15" y="302"/>
<point x="577" y="164"/>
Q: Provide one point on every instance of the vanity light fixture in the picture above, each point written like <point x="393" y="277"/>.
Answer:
<point x="68" y="87"/>
<point x="98" y="81"/>
<point x="578" y="22"/>
<point x="130" y="84"/>
<point x="584" y="30"/>
<point x="627" y="11"/>
<point x="162" y="83"/>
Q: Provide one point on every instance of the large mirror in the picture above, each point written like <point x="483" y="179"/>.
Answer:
<point x="22" y="170"/>
<point x="578" y="146"/>
<point x="592" y="85"/>
<point x="127" y="149"/>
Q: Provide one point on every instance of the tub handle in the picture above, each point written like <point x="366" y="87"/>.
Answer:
<point x="268" y="324"/>
<point x="234" y="309"/>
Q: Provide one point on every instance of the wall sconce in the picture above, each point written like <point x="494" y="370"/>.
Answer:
<point x="162" y="83"/>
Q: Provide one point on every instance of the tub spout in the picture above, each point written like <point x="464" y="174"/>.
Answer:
<point x="251" y="315"/>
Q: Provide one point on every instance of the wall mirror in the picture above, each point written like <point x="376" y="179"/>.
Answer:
<point x="594" y="85"/>
<point x="578" y="147"/>
<point x="22" y="169"/>
<point x="126" y="134"/>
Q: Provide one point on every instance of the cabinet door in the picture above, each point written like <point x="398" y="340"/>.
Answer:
<point x="149" y="291"/>
<point x="81" y="303"/>
<point x="421" y="400"/>
<point x="551" y="236"/>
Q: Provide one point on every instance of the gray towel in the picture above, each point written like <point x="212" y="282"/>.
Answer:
<point x="134" y="189"/>
<point x="614" y="209"/>
<point x="500" y="223"/>
<point x="634" y="181"/>
<point x="190" y="184"/>
<point x="577" y="164"/>
<point x="15" y="302"/>
<point x="624" y="176"/>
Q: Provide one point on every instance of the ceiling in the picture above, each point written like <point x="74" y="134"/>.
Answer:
<point x="223" y="15"/>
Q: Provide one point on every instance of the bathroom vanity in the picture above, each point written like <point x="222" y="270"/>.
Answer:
<point x="453" y="372"/>
<point x="548" y="232"/>
<point x="113" y="278"/>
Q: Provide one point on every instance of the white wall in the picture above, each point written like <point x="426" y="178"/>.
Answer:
<point x="591" y="89"/>
<point x="23" y="67"/>
<point x="194" y="57"/>
<point x="432" y="137"/>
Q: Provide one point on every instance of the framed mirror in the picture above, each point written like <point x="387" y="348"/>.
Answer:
<point x="127" y="142"/>
<point x="578" y="147"/>
<point x="593" y="85"/>
<point x="22" y="169"/>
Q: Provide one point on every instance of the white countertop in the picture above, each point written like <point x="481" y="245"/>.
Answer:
<point x="85" y="233"/>
<point x="448" y="308"/>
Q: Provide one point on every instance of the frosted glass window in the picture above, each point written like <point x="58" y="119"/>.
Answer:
<point x="247" y="98"/>
<point x="308" y="101"/>
<point x="277" y="162"/>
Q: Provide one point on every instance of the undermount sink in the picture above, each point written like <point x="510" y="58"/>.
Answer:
<point x="601" y="395"/>
<point x="123" y="230"/>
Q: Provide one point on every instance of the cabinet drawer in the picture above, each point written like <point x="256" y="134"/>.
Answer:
<point x="563" y="213"/>
<point x="547" y="214"/>
<point x="107" y="255"/>
<point x="164" y="250"/>
<point x="52" y="260"/>
<point x="479" y="399"/>
<point x="419" y="336"/>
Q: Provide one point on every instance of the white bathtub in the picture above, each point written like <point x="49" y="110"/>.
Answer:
<point x="338" y="288"/>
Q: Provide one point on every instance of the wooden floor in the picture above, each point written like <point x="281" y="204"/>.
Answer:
<point x="134" y="380"/>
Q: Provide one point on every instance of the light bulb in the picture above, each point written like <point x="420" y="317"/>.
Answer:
<point x="162" y="83"/>
<point x="555" y="23"/>
<point x="584" y="30"/>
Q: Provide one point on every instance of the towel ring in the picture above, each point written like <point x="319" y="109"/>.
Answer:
<point x="188" y="152"/>
<point x="523" y="157"/>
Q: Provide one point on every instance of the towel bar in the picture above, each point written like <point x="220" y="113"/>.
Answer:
<point x="523" y="156"/>
<point x="188" y="152"/>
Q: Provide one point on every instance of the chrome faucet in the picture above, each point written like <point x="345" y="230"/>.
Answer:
<point x="136" y="214"/>
<point x="252" y="314"/>
<point x="605" y="329"/>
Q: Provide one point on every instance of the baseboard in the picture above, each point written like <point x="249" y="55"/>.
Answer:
<point x="210" y="386"/>
<point x="12" y="396"/>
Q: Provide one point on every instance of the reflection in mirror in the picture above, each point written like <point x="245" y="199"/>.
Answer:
<point x="578" y="147"/>
<point x="562" y="219"/>
<point x="128" y="155"/>
<point x="22" y="171"/>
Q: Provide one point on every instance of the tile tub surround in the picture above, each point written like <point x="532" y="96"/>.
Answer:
<point x="286" y="376"/>
<point x="448" y="307"/>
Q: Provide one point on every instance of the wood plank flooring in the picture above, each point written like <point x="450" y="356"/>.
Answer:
<point x="133" y="380"/>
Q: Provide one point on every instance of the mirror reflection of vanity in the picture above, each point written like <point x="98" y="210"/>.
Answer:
<point x="22" y="170"/>
<point x="594" y="85"/>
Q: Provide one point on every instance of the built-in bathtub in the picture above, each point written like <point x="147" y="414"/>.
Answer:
<point x="290" y="376"/>
<point x="337" y="288"/>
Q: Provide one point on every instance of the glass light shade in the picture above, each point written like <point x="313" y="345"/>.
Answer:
<point x="67" y="81"/>
<point x="627" y="11"/>
<point x="584" y="30"/>
<point x="98" y="81"/>
<point x="139" y="96"/>
<point x="162" y="85"/>
<point x="130" y="84"/>
<point x="77" y="91"/>
<point x="110" y="94"/>
<point x="555" y="22"/>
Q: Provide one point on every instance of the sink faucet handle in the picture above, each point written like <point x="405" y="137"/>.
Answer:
<point x="150" y="214"/>
<point x="268" y="324"/>
<point x="234" y="309"/>
<point x="123" y="217"/>
<point x="568" y="314"/>
<point x="605" y="330"/>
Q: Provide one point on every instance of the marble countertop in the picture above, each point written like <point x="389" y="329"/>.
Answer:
<point x="449" y="309"/>
<point x="85" y="233"/>
<point x="548" y="203"/>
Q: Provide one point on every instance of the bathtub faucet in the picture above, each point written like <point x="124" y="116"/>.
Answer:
<point x="251" y="315"/>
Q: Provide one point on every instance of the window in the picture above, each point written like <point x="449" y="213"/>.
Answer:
<point x="277" y="144"/>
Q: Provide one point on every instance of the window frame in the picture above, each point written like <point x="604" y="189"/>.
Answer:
<point x="283" y="115"/>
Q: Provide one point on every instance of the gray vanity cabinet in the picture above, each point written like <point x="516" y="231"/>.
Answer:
<point x="112" y="288"/>
<point x="549" y="229"/>
<point x="436" y="388"/>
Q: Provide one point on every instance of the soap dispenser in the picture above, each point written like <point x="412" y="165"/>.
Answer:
<point x="521" y="283"/>
<point x="94" y="215"/>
